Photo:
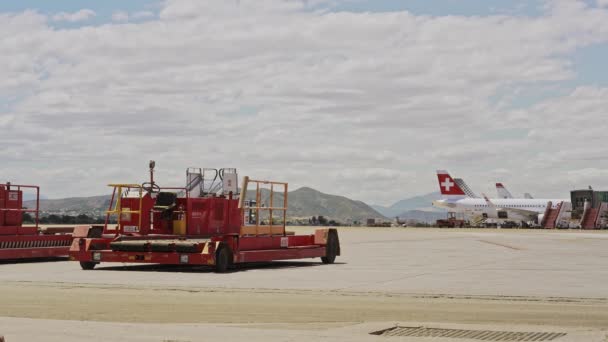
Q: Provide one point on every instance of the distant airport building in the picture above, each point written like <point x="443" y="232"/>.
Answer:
<point x="590" y="207"/>
<point x="595" y="198"/>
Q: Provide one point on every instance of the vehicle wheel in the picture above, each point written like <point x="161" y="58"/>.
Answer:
<point x="331" y="249"/>
<point x="222" y="260"/>
<point x="87" y="265"/>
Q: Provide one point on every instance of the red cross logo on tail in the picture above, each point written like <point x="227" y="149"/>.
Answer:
<point x="447" y="184"/>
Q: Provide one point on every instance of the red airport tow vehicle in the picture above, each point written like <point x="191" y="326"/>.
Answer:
<point x="450" y="222"/>
<point x="210" y="221"/>
<point x="25" y="242"/>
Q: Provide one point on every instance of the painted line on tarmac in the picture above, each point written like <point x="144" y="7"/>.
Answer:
<point x="501" y="245"/>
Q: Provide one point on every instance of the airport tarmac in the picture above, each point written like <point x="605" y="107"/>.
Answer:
<point x="496" y="280"/>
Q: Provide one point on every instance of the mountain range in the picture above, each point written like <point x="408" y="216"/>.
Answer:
<point x="418" y="208"/>
<point x="417" y="203"/>
<point x="92" y="206"/>
<point x="303" y="203"/>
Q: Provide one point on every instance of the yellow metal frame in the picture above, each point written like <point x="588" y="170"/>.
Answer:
<point x="258" y="229"/>
<point x="118" y="188"/>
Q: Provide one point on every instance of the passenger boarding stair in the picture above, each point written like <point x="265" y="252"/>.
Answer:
<point x="552" y="215"/>
<point x="478" y="221"/>
<point x="592" y="217"/>
<point x="602" y="216"/>
<point x="588" y="219"/>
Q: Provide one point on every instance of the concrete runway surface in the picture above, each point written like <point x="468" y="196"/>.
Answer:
<point x="494" y="280"/>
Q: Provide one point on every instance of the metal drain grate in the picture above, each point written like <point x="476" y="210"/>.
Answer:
<point x="483" y="335"/>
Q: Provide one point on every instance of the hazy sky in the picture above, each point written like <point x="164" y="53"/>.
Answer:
<point x="365" y="98"/>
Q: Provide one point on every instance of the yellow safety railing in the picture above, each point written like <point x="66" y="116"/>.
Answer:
<point x="271" y="228"/>
<point x="118" y="210"/>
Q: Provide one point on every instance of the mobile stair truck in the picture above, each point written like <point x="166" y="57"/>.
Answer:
<point x="210" y="222"/>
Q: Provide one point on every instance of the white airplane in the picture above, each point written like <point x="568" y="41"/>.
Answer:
<point x="511" y="209"/>
<point x="502" y="192"/>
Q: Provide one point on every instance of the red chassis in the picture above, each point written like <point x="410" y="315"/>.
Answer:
<point x="27" y="242"/>
<point x="199" y="227"/>
<point x="204" y="251"/>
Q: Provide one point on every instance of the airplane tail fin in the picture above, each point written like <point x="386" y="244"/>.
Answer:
<point x="447" y="185"/>
<point x="467" y="190"/>
<point x="502" y="191"/>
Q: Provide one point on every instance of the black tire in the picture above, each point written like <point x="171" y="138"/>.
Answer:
<point x="331" y="249"/>
<point x="87" y="265"/>
<point x="222" y="260"/>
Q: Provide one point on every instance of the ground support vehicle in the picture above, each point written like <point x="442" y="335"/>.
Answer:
<point x="210" y="221"/>
<point x="19" y="241"/>
<point x="450" y="222"/>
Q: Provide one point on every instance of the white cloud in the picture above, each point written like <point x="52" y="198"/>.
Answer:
<point x="81" y="15"/>
<point x="6" y="120"/>
<point x="312" y="97"/>
<point x="120" y="16"/>
<point x="602" y="3"/>
<point x="142" y="15"/>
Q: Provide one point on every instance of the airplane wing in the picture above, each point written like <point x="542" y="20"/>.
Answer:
<point x="444" y="203"/>
<point x="490" y="204"/>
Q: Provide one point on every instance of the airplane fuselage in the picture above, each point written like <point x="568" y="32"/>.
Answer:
<point x="474" y="207"/>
